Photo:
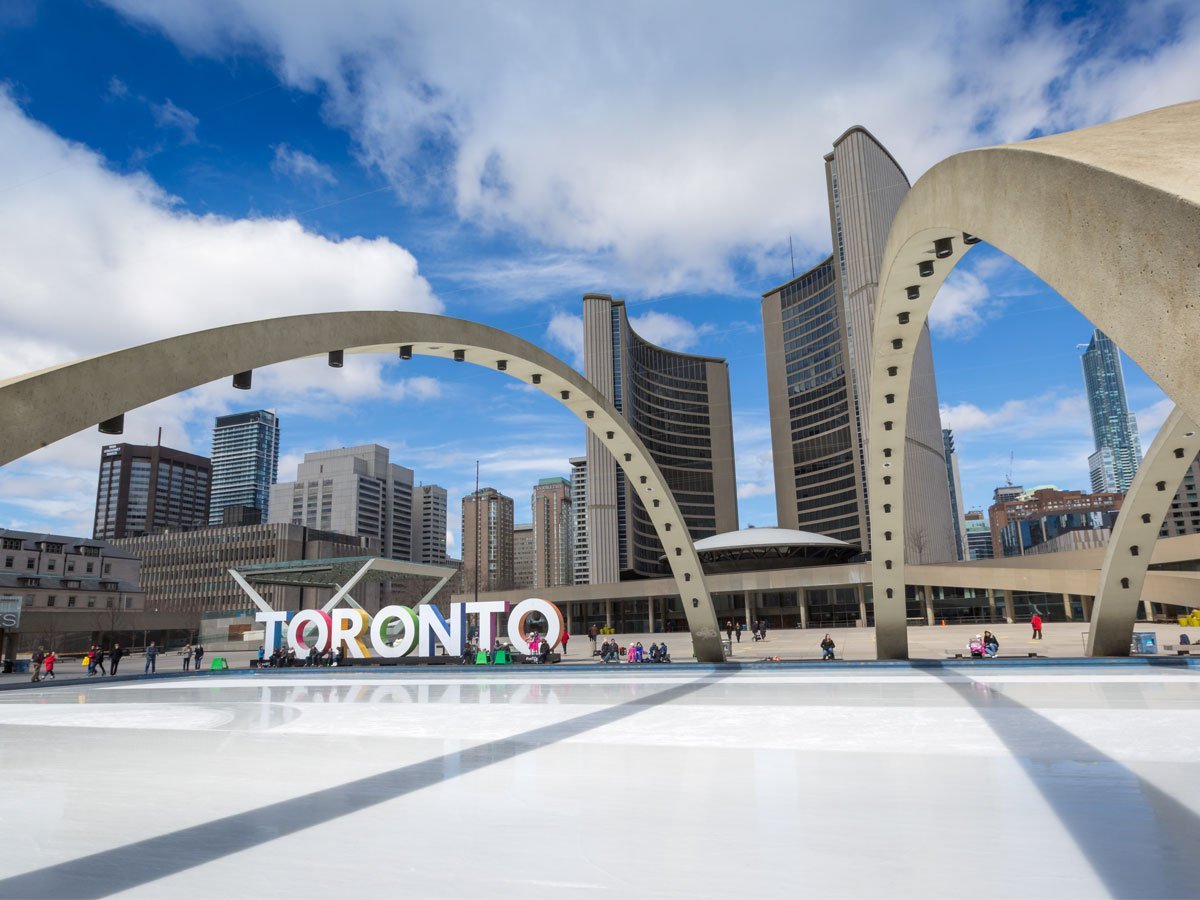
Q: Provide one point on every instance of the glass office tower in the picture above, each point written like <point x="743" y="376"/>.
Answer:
<point x="1114" y="428"/>
<point x="245" y="462"/>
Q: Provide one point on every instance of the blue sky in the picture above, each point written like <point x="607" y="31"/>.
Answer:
<point x="169" y="166"/>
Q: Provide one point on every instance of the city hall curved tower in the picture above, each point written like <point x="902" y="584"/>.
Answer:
<point x="818" y="331"/>
<point x="678" y="404"/>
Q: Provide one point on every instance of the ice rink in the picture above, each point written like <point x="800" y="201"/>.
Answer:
<point x="996" y="781"/>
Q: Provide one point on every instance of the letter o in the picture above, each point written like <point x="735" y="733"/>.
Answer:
<point x="516" y="622"/>
<point x="404" y="644"/>
<point x="295" y="633"/>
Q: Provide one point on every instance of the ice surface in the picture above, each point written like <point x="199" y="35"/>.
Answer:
<point x="674" y="782"/>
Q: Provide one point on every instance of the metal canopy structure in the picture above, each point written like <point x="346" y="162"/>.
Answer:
<point x="341" y="573"/>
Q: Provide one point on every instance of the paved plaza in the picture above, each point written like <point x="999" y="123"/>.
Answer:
<point x="1071" y="780"/>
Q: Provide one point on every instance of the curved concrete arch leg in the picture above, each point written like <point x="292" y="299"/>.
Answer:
<point x="42" y="407"/>
<point x="1131" y="545"/>
<point x="1108" y="216"/>
<point x="902" y="307"/>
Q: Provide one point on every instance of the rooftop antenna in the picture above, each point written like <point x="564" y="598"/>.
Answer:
<point x="1008" y="475"/>
<point x="160" y="435"/>
<point x="792" y="254"/>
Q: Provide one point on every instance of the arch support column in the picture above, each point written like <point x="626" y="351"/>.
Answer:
<point x="1131" y="545"/>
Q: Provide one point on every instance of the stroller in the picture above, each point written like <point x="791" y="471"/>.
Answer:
<point x="975" y="645"/>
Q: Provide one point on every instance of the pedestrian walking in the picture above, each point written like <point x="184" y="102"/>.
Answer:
<point x="592" y="637"/>
<point x="114" y="658"/>
<point x="1036" y="622"/>
<point x="38" y="657"/>
<point x="151" y="658"/>
<point x="49" y="664"/>
<point x="728" y="629"/>
<point x="100" y="661"/>
<point x="566" y="636"/>
<point x="199" y="656"/>
<point x="762" y="627"/>
<point x="187" y="656"/>
<point x="90" y="659"/>
<point x="738" y="632"/>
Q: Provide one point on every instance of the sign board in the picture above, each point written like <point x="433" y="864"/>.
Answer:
<point x="420" y="629"/>
<point x="10" y="612"/>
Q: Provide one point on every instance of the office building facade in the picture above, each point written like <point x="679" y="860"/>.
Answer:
<point x="817" y="331"/>
<point x="523" y="555"/>
<point x="1184" y="515"/>
<point x="188" y="571"/>
<point x="429" y="524"/>
<point x="1021" y="524"/>
<point x="979" y="536"/>
<point x="1118" y="453"/>
<point x="487" y="541"/>
<point x="72" y="575"/>
<point x="678" y="404"/>
<point x="245" y="462"/>
<point x="142" y="490"/>
<point x="579" y="521"/>
<point x="553" y="533"/>
<point x="354" y="490"/>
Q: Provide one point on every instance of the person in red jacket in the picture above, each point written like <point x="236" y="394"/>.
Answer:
<point x="566" y="636"/>
<point x="1036" y="622"/>
<point x="48" y="663"/>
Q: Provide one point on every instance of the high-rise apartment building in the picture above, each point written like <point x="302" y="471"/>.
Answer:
<point x="356" y="491"/>
<point x="1118" y="449"/>
<point x="579" y="526"/>
<point x="954" y="481"/>
<point x="143" y="490"/>
<point x="429" y="524"/>
<point x="979" y="536"/>
<point x="553" y="532"/>
<point x="245" y="462"/>
<point x="678" y="404"/>
<point x="817" y="329"/>
<point x="523" y="555"/>
<point x="487" y="540"/>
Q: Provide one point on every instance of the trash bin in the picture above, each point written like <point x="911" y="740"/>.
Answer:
<point x="1145" y="642"/>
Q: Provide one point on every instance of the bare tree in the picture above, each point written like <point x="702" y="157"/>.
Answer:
<point x="918" y="541"/>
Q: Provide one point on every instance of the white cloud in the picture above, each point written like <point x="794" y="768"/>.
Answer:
<point x="168" y="115"/>
<point x="566" y="331"/>
<point x="1151" y="418"/>
<point x="670" y="331"/>
<point x="91" y="261"/>
<point x="961" y="306"/>
<point x="755" y="467"/>
<point x="292" y="163"/>
<point x="1044" y="415"/>
<point x="676" y="135"/>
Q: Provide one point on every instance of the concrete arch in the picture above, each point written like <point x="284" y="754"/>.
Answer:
<point x="1108" y="216"/>
<point x="45" y="406"/>
<point x="1131" y="545"/>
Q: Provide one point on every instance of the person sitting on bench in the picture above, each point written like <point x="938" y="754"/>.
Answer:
<point x="663" y="655"/>
<point x="543" y="656"/>
<point x="653" y="655"/>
